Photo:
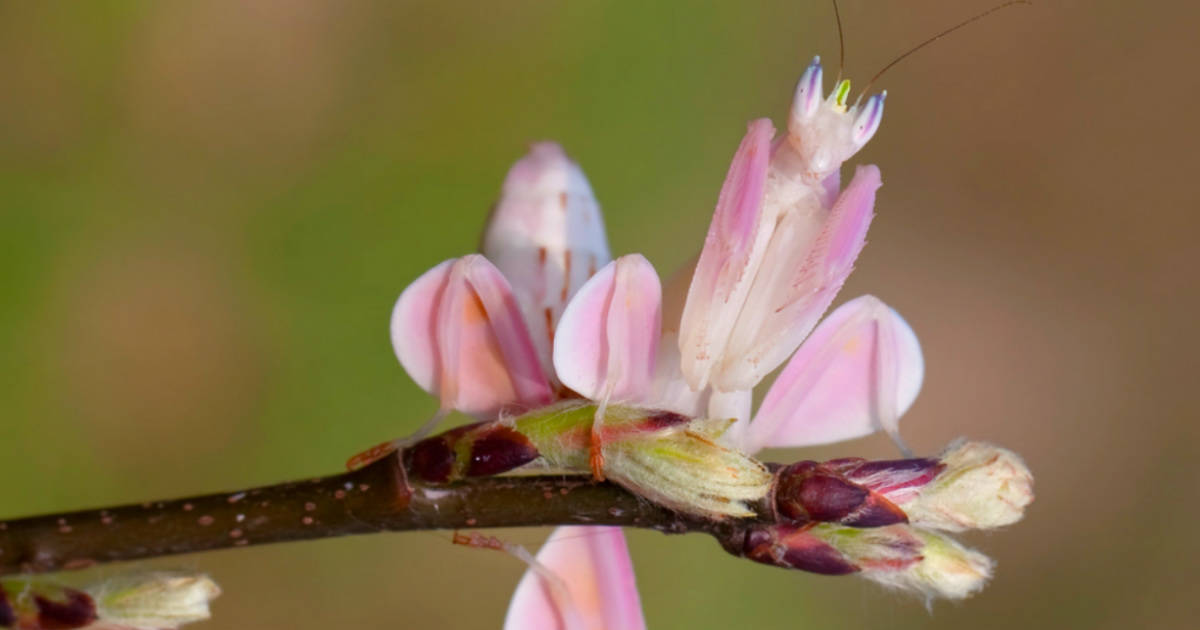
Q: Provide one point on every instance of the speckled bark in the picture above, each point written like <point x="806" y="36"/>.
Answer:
<point x="377" y="498"/>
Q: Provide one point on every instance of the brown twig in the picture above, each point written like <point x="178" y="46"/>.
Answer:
<point x="377" y="498"/>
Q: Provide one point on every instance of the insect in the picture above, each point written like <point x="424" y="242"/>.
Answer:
<point x="654" y="393"/>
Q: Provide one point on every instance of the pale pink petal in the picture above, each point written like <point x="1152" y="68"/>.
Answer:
<point x="593" y="563"/>
<point x="859" y="372"/>
<point x="831" y="187"/>
<point x="799" y="277"/>
<point x="606" y="343"/>
<point x="736" y="405"/>
<point x="736" y="241"/>
<point x="458" y="332"/>
<point x="669" y="390"/>
<point x="547" y="236"/>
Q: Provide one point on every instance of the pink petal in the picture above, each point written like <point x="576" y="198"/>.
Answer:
<point x="797" y="280"/>
<point x="831" y="187"/>
<point x="736" y="240"/>
<point x="593" y="563"/>
<point x="607" y="340"/>
<point x="546" y="235"/>
<point x="736" y="405"/>
<point x="669" y="390"/>
<point x="859" y="372"/>
<point x="458" y="332"/>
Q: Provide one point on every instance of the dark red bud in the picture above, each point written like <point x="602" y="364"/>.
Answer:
<point x="491" y="448"/>
<point x="830" y="499"/>
<point x="8" y="618"/>
<point x="431" y="459"/>
<point x="792" y="547"/>
<point x="787" y="490"/>
<point x="808" y="491"/>
<point x="499" y="449"/>
<point x="895" y="475"/>
<point x="76" y="612"/>
<point x="665" y="420"/>
<point x="876" y="511"/>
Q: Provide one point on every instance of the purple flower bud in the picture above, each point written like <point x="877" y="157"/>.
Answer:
<point x="75" y="610"/>
<point x="491" y="448"/>
<point x="898" y="556"/>
<point x="808" y="492"/>
<point x="497" y="450"/>
<point x="793" y="547"/>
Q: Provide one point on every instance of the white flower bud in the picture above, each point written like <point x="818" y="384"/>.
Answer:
<point x="982" y="486"/>
<point x="154" y="601"/>
<point x="901" y="557"/>
<point x="947" y="569"/>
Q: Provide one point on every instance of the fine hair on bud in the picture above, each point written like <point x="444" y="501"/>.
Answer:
<point x="945" y="569"/>
<point x="155" y="600"/>
<point x="981" y="487"/>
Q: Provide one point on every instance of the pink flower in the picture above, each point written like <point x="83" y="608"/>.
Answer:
<point x="553" y="312"/>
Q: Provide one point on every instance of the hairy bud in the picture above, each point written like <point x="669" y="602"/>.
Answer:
<point x="681" y="466"/>
<point x="822" y="492"/>
<point x="135" y="601"/>
<point x="983" y="486"/>
<point x="154" y="600"/>
<point x="667" y="458"/>
<point x="972" y="485"/>
<point x="897" y="556"/>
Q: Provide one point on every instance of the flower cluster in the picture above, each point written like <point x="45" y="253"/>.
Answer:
<point x="545" y="315"/>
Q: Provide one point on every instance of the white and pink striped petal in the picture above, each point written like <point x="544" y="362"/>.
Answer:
<point x="592" y="566"/>
<point x="459" y="334"/>
<point x="798" y="278"/>
<point x="733" y="249"/>
<point x="858" y="373"/>
<point x="546" y="235"/>
<point x="606" y="344"/>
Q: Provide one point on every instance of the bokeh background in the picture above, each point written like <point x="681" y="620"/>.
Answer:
<point x="208" y="208"/>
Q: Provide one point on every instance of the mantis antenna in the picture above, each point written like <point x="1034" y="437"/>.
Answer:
<point x="929" y="41"/>
<point x="837" y="15"/>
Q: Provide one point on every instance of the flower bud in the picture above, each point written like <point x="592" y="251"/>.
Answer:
<point x="135" y="601"/>
<point x="156" y="600"/>
<point x="896" y="556"/>
<point x="664" y="457"/>
<point x="676" y="462"/>
<point x="972" y="485"/>
<point x="982" y="486"/>
<point x="37" y="603"/>
<point x="914" y="560"/>
<point x="807" y="491"/>
<point x="473" y="450"/>
<point x="947" y="569"/>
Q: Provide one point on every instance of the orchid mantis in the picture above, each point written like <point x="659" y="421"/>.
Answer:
<point x="575" y="364"/>
<point x="781" y="243"/>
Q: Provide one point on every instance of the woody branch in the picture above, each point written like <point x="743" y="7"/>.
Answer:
<point x="378" y="498"/>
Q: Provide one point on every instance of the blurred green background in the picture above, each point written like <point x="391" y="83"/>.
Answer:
<point x="208" y="208"/>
